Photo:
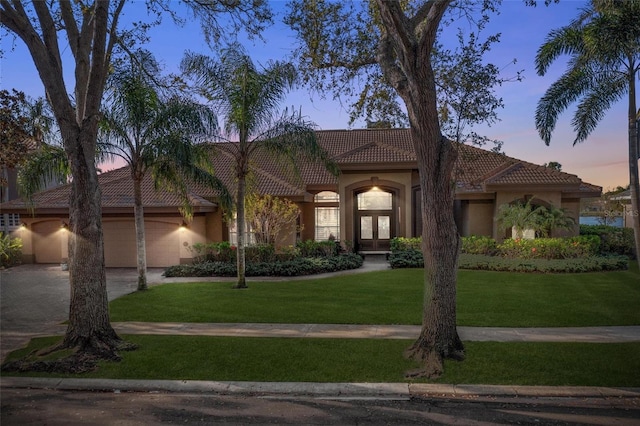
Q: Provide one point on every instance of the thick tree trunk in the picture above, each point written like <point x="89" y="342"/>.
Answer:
<point x="141" y="251"/>
<point x="634" y="155"/>
<point x="240" y="227"/>
<point x="89" y="326"/>
<point x="440" y="246"/>
<point x="404" y="54"/>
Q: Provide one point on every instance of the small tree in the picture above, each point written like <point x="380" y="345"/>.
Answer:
<point x="521" y="218"/>
<point x="272" y="219"/>
<point x="528" y="220"/>
<point x="555" y="218"/>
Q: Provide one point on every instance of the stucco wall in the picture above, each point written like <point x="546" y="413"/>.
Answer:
<point x="478" y="218"/>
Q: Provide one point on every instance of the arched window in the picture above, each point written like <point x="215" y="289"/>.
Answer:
<point x="327" y="212"/>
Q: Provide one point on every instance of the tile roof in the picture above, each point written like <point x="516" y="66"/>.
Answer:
<point x="475" y="170"/>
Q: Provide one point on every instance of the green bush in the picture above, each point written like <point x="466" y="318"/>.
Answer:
<point x="574" y="254"/>
<point x="479" y="245"/>
<point x="549" y="248"/>
<point x="406" y="259"/>
<point x="10" y="250"/>
<point x="311" y="248"/>
<point x="584" y="264"/>
<point x="402" y="244"/>
<point x="289" y="268"/>
<point x="260" y="253"/>
<point x="213" y="252"/>
<point x="614" y="240"/>
<point x="406" y="253"/>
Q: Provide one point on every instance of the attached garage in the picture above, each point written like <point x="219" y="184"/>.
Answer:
<point x="162" y="243"/>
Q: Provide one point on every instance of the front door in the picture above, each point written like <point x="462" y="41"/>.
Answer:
<point x="375" y="221"/>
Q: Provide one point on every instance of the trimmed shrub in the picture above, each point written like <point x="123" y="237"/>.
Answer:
<point x="402" y="244"/>
<point x="614" y="240"/>
<point x="584" y="264"/>
<point x="406" y="259"/>
<point x="289" y="268"/>
<point x="260" y="253"/>
<point x="575" y="254"/>
<point x="479" y="245"/>
<point x="549" y="248"/>
<point x="213" y="252"/>
<point x="310" y="248"/>
<point x="406" y="253"/>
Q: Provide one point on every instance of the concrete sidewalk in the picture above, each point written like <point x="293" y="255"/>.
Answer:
<point x="355" y="331"/>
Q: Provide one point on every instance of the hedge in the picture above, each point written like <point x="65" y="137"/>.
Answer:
<point x="574" y="254"/>
<point x="614" y="240"/>
<point x="288" y="268"/>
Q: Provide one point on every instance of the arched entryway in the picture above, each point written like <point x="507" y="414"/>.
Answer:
<point x="375" y="219"/>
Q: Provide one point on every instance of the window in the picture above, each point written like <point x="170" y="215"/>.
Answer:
<point x="375" y="199"/>
<point x="10" y="220"/>
<point x="233" y="233"/>
<point x="327" y="215"/>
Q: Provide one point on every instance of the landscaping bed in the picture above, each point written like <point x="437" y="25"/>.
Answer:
<point x="597" y="249"/>
<point x="262" y="260"/>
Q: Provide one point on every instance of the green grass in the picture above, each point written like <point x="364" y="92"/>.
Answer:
<point x="363" y="360"/>
<point x="485" y="298"/>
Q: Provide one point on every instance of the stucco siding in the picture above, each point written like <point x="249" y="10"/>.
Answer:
<point x="478" y="218"/>
<point x="47" y="241"/>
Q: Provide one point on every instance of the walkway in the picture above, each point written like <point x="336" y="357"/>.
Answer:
<point x="358" y="331"/>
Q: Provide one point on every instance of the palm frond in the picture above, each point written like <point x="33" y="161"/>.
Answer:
<point x="563" y="41"/>
<point x="558" y="97"/>
<point x="46" y="165"/>
<point x="608" y="89"/>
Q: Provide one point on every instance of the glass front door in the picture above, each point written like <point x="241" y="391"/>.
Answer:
<point x="374" y="220"/>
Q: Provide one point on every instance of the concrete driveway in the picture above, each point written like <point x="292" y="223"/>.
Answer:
<point x="34" y="299"/>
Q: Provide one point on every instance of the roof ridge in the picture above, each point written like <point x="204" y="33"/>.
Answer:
<point x="501" y="171"/>
<point x="357" y="149"/>
<point x="277" y="179"/>
<point x="393" y="148"/>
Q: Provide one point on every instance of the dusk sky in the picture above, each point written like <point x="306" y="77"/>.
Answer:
<point x="601" y="160"/>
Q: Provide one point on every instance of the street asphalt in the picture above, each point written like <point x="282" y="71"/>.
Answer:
<point x="35" y="298"/>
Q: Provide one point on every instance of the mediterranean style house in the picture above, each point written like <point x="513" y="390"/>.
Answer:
<point x="375" y="198"/>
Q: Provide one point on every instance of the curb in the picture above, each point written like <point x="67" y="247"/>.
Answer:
<point x="339" y="390"/>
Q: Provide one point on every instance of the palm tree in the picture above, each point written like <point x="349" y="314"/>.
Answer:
<point x="603" y="44"/>
<point x="155" y="134"/>
<point x="556" y="218"/>
<point x="521" y="217"/>
<point x="248" y="98"/>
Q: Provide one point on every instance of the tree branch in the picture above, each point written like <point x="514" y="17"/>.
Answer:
<point x="70" y="25"/>
<point x="49" y="33"/>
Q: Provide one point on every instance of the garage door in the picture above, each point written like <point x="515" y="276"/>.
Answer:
<point x="162" y="244"/>
<point x="47" y="241"/>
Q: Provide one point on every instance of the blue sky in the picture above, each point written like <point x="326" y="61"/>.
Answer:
<point x="601" y="160"/>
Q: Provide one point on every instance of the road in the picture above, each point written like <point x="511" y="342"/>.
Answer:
<point x="55" y="407"/>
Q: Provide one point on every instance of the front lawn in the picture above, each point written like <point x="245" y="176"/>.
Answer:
<point x="497" y="299"/>
<point x="362" y="360"/>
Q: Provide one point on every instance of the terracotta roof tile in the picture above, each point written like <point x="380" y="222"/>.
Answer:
<point x="475" y="168"/>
